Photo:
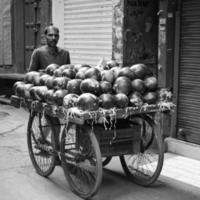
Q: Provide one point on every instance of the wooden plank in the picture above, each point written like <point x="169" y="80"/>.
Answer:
<point x="12" y="76"/>
<point x="176" y="70"/>
<point x="6" y="34"/>
<point x="18" y="35"/>
<point x="74" y="114"/>
<point x="170" y="43"/>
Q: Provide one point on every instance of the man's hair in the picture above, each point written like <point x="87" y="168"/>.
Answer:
<point x="48" y="27"/>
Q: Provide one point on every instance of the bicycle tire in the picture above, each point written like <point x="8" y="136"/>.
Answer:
<point x="144" y="167"/>
<point x="42" y="154"/>
<point x="81" y="161"/>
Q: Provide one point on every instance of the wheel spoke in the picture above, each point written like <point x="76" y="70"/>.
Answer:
<point x="106" y="160"/>
<point x="144" y="168"/>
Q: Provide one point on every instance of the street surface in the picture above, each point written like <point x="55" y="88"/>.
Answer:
<point x="18" y="180"/>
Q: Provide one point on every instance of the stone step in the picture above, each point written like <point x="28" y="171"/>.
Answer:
<point x="182" y="148"/>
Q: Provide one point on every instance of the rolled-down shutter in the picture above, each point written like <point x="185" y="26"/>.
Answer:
<point x="189" y="77"/>
<point x="88" y="30"/>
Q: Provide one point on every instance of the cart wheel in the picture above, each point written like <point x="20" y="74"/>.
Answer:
<point x="144" y="167"/>
<point x="41" y="143"/>
<point x="106" y="160"/>
<point x="81" y="159"/>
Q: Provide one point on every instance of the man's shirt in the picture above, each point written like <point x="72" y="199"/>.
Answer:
<point x="43" y="56"/>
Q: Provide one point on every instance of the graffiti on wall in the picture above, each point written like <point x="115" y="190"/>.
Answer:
<point x="117" y="30"/>
<point x="140" y="31"/>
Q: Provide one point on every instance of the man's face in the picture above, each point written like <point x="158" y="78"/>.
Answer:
<point x="52" y="37"/>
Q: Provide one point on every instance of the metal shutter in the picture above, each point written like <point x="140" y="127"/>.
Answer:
<point x="88" y="30"/>
<point x="189" y="77"/>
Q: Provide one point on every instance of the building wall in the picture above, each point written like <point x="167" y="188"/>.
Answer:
<point x="141" y="31"/>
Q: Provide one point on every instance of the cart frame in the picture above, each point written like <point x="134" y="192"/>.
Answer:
<point x="86" y="141"/>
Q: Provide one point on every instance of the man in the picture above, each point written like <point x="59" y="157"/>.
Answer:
<point x="49" y="53"/>
<point x="40" y="59"/>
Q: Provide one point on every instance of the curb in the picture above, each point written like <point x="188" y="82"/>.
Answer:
<point x="4" y="100"/>
<point x="182" y="148"/>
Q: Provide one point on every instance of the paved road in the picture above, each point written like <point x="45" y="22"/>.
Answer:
<point x="18" y="180"/>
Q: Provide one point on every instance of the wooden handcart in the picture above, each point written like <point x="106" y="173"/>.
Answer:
<point x="86" y="141"/>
